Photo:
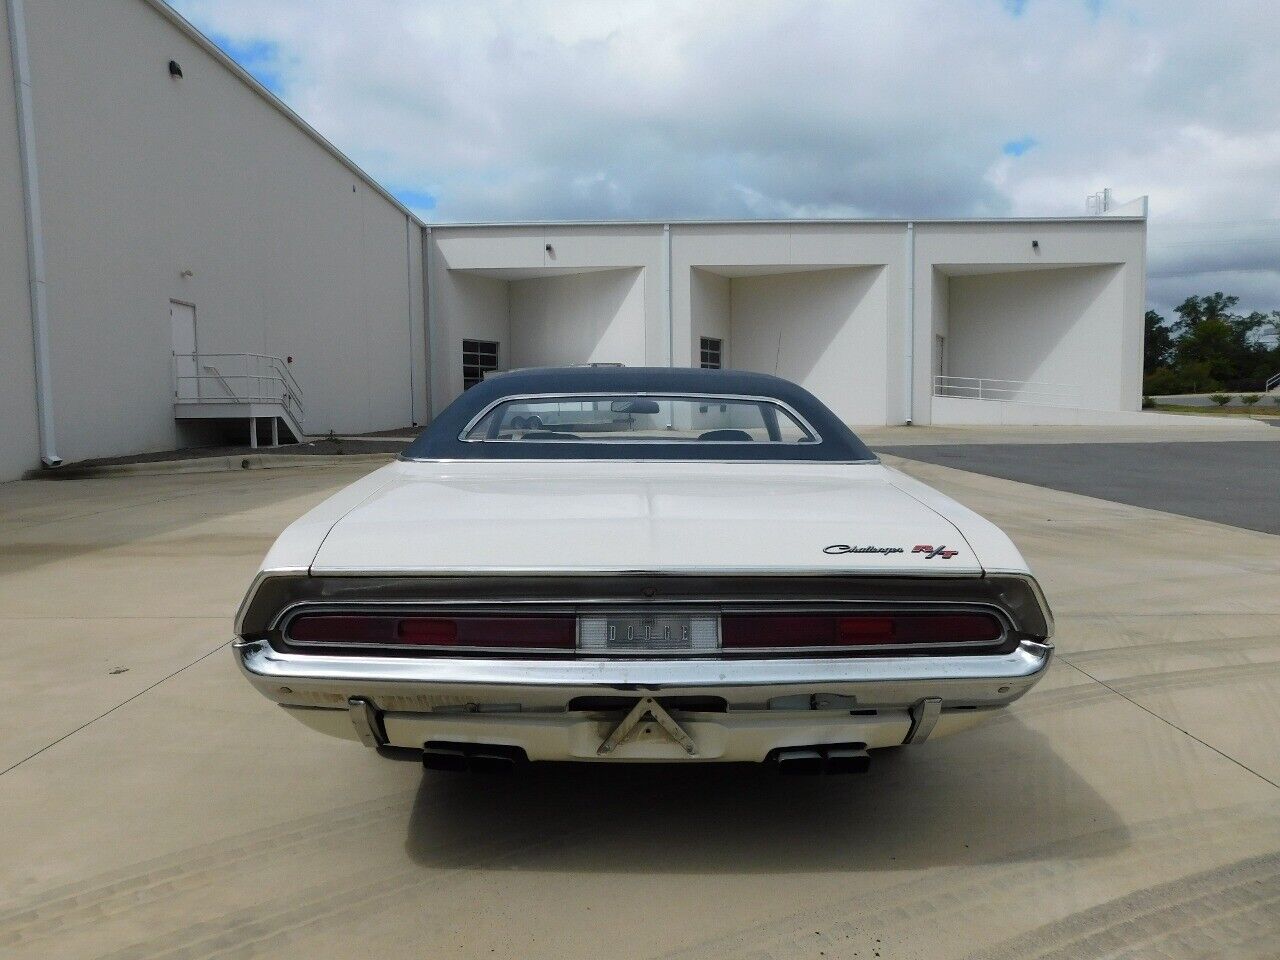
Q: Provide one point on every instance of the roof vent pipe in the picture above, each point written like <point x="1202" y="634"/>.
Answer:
<point x="35" y="234"/>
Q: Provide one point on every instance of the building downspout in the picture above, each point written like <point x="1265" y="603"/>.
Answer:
<point x="911" y="322"/>
<point x="408" y="282"/>
<point x="35" y="233"/>
<point x="666" y="294"/>
<point x="428" y="290"/>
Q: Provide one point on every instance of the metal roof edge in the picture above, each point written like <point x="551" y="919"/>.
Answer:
<point x="832" y="221"/>
<point x="191" y="32"/>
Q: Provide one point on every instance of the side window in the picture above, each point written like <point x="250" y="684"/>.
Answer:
<point x="712" y="351"/>
<point x="478" y="358"/>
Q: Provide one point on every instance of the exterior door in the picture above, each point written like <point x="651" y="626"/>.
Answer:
<point x="182" y="320"/>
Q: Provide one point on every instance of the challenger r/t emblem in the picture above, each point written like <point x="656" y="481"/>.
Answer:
<point x="930" y="551"/>
<point x="841" y="548"/>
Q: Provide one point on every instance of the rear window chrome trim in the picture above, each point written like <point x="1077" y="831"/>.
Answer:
<point x="816" y="440"/>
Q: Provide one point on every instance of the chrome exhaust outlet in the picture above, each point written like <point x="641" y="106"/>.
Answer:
<point x="441" y="757"/>
<point x="800" y="760"/>
<point x="834" y="758"/>
<point x="476" y="757"/>
<point x="487" y="762"/>
<point x="851" y="759"/>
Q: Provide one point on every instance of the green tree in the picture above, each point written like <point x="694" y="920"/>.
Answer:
<point x="1195" y="310"/>
<point x="1192" y="378"/>
<point x="1208" y="332"/>
<point x="1157" y="343"/>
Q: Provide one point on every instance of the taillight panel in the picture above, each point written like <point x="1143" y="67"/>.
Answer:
<point x="822" y="632"/>
<point x="793" y="631"/>
<point x="425" y="631"/>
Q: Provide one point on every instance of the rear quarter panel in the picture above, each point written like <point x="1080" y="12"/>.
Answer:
<point x="991" y="545"/>
<point x="296" y="547"/>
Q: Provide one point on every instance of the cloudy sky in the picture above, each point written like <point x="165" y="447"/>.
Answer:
<point x="522" y="109"/>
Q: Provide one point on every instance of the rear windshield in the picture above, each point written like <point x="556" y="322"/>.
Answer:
<point x="640" y="418"/>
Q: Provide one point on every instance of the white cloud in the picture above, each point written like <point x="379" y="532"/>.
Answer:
<point x="514" y="109"/>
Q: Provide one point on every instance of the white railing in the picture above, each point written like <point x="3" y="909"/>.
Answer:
<point x="236" y="378"/>
<point x="1016" y="391"/>
<point x="1272" y="384"/>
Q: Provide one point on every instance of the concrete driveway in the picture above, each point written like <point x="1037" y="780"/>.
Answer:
<point x="153" y="806"/>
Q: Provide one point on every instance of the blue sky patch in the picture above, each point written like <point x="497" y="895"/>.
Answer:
<point x="1016" y="148"/>
<point x="261" y="58"/>
<point x="415" y="199"/>
<point x="1016" y="8"/>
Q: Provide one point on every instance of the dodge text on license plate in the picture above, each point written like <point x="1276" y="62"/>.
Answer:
<point x="640" y="633"/>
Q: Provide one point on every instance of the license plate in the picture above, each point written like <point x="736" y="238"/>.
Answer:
<point x="632" y="633"/>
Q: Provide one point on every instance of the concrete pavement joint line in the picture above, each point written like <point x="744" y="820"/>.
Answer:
<point x="114" y="509"/>
<point x="145" y="690"/>
<point x="1170" y="723"/>
<point x="113" y="616"/>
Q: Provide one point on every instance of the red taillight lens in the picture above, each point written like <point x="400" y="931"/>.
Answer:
<point x="422" y="630"/>
<point x="341" y="630"/>
<point x="347" y="629"/>
<point x="749" y="631"/>
<point x="855" y="630"/>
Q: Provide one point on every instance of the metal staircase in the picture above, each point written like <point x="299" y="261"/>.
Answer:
<point x="1272" y="384"/>
<point x="239" y="386"/>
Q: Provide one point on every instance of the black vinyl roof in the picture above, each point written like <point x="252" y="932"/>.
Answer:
<point x="442" y="438"/>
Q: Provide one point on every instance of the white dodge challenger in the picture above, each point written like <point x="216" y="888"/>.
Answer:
<point x="610" y="564"/>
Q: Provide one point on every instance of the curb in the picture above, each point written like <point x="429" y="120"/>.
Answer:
<point x="227" y="464"/>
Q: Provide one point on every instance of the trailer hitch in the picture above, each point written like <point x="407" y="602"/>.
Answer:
<point x="647" y="710"/>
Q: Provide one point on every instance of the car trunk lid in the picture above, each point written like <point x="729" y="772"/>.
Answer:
<point x="565" y="516"/>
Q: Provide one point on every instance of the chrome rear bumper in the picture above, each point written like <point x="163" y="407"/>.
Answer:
<point x="770" y="703"/>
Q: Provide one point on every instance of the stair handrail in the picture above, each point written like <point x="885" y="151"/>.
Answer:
<point x="217" y="374"/>
<point x="1015" y="391"/>
<point x="1272" y="383"/>
<point x="269" y="380"/>
<point x="293" y="390"/>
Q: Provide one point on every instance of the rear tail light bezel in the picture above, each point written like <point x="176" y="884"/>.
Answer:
<point x="474" y="632"/>
<point x="864" y="632"/>
<point x="869" y="642"/>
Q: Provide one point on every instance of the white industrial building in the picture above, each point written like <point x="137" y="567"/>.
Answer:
<point x="181" y="256"/>
<point x="938" y="321"/>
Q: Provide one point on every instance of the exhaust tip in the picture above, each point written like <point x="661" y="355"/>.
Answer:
<point x="485" y="763"/>
<point x="833" y="758"/>
<point x="800" y="762"/>
<point x="476" y="757"/>
<point x="443" y="758"/>
<point x="847" y="760"/>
